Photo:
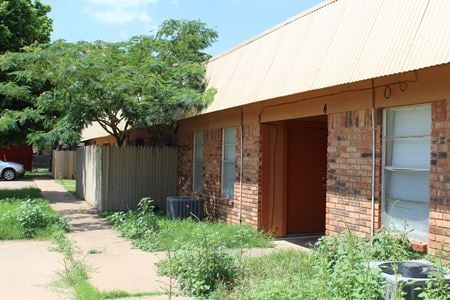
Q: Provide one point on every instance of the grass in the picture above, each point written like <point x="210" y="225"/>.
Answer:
<point x="20" y="194"/>
<point x="176" y="234"/>
<point x="84" y="290"/>
<point x="68" y="184"/>
<point x="38" y="173"/>
<point x="151" y="232"/>
<point x="273" y="276"/>
<point x="14" y="219"/>
<point x="8" y="225"/>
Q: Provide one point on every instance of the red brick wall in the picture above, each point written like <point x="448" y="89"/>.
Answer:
<point x="215" y="206"/>
<point x="251" y="190"/>
<point x="439" y="239"/>
<point x="349" y="174"/>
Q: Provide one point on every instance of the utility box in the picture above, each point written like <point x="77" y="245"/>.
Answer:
<point x="182" y="207"/>
<point x="411" y="276"/>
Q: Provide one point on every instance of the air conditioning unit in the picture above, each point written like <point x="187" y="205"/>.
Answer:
<point x="182" y="207"/>
<point x="411" y="276"/>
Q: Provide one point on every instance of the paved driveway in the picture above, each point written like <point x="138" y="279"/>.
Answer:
<point x="17" y="184"/>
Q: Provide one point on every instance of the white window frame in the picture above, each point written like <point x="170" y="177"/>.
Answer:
<point x="384" y="217"/>
<point x="194" y="161"/>
<point x="222" y="191"/>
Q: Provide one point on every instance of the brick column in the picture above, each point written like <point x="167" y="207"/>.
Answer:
<point x="349" y="174"/>
<point x="251" y="190"/>
<point x="212" y="166"/>
<point x="185" y="164"/>
<point x="439" y="238"/>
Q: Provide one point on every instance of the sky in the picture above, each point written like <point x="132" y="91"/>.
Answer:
<point x="118" y="20"/>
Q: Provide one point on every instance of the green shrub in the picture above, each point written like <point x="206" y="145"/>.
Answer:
<point x="391" y="244"/>
<point x="62" y="244"/>
<point x="437" y="288"/>
<point x="138" y="224"/>
<point x="341" y="270"/>
<point x="200" y="270"/>
<point x="33" y="216"/>
<point x="25" y="214"/>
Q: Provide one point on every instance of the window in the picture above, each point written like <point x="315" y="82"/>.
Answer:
<point x="406" y="171"/>
<point x="228" y="162"/>
<point x="198" y="162"/>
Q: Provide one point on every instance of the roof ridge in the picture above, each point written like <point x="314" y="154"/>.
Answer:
<point x="275" y="28"/>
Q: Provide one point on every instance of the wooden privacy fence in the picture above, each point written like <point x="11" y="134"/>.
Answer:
<point x="113" y="178"/>
<point x="64" y="164"/>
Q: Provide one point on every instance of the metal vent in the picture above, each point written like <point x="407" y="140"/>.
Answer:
<point x="182" y="207"/>
<point x="410" y="276"/>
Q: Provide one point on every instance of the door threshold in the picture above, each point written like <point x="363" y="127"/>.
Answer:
<point x="304" y="235"/>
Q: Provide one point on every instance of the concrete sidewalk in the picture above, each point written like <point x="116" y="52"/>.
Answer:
<point x="27" y="269"/>
<point x="16" y="184"/>
<point x="117" y="266"/>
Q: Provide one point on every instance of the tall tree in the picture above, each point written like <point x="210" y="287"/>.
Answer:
<point x="141" y="83"/>
<point x="22" y="23"/>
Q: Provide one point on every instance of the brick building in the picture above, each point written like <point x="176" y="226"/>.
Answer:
<point x="344" y="123"/>
<point x="338" y="118"/>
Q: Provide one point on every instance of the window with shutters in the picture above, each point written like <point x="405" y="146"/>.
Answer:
<point x="406" y="170"/>
<point x="228" y="162"/>
<point x="198" y="162"/>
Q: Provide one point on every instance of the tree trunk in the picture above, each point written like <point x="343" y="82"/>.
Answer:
<point x="119" y="141"/>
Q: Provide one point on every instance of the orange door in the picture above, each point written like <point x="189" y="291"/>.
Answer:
<point x="306" y="178"/>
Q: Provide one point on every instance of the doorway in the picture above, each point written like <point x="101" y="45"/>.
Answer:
<point x="306" y="172"/>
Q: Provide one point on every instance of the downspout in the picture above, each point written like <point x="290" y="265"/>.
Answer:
<point x="242" y="165"/>
<point x="374" y="128"/>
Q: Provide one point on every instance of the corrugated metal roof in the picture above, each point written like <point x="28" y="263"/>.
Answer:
<point x="336" y="42"/>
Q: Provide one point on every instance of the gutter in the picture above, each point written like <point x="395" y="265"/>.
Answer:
<point x="374" y="128"/>
<point x="242" y="165"/>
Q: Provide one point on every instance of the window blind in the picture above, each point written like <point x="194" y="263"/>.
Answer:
<point x="228" y="162"/>
<point x="406" y="175"/>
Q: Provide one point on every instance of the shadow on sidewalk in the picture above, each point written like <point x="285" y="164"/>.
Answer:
<point x="82" y="217"/>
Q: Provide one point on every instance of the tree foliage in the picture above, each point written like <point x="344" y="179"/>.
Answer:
<point x="143" y="82"/>
<point x="22" y="23"/>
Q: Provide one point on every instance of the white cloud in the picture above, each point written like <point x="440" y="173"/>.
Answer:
<point x="120" y="11"/>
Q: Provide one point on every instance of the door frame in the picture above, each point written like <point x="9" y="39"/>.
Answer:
<point x="275" y="174"/>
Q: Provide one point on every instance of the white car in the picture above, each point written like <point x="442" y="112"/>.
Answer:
<point x="10" y="171"/>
